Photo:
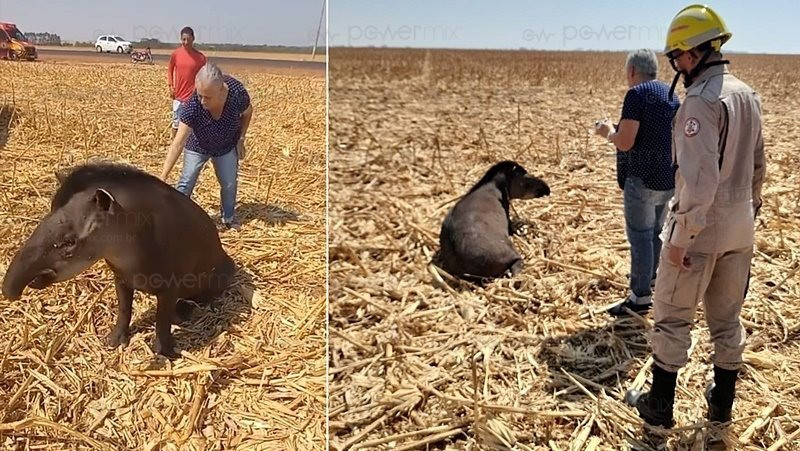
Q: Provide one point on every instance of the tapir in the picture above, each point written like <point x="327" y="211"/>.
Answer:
<point x="152" y="237"/>
<point x="475" y="235"/>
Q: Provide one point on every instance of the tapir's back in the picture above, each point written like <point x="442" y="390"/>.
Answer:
<point x="178" y="229"/>
<point x="474" y="236"/>
<point x="178" y="223"/>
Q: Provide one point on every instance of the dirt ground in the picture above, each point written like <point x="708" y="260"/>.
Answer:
<point x="532" y="362"/>
<point x="227" y="61"/>
<point x="252" y="370"/>
<point x="277" y="56"/>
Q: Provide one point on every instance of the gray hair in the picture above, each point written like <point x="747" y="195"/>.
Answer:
<point x="644" y="62"/>
<point x="210" y="74"/>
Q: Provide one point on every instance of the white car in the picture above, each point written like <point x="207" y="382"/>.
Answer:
<point x="111" y="43"/>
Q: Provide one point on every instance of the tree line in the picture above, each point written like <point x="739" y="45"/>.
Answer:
<point x="43" y="38"/>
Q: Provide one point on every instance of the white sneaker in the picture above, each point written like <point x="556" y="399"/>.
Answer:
<point x="640" y="300"/>
<point x="232" y="225"/>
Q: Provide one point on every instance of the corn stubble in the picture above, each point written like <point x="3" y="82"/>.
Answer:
<point x="252" y="375"/>
<point x="534" y="362"/>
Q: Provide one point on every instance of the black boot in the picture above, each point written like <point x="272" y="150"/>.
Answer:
<point x="720" y="394"/>
<point x="655" y="406"/>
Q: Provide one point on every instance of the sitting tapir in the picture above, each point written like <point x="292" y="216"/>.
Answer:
<point x="153" y="238"/>
<point x="475" y="236"/>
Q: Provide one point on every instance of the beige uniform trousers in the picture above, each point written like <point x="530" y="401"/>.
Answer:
<point x="721" y="281"/>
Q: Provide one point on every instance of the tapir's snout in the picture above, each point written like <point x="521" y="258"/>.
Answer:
<point x="43" y="279"/>
<point x="535" y="187"/>
<point x="544" y="190"/>
<point x="14" y="283"/>
<point x="25" y="268"/>
<point x="11" y="296"/>
<point x="11" y="290"/>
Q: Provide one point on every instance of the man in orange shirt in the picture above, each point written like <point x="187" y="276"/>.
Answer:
<point x="184" y="64"/>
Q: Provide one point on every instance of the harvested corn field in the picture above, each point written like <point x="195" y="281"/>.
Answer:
<point x="252" y="370"/>
<point x="532" y="362"/>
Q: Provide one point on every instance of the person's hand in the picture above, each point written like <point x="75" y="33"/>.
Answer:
<point x="677" y="256"/>
<point x="171" y="93"/>
<point x="603" y="128"/>
<point x="241" y="150"/>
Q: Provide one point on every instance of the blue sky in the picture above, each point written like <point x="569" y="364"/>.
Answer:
<point x="272" y="22"/>
<point x="766" y="26"/>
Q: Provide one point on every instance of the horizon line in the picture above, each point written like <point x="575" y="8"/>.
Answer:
<point x="520" y="49"/>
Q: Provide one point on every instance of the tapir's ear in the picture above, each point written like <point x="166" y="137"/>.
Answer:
<point x="104" y="200"/>
<point x="61" y="175"/>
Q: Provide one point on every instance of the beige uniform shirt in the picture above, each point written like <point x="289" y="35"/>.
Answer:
<point x="718" y="148"/>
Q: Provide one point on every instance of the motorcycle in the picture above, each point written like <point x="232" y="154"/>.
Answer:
<point x="142" y="56"/>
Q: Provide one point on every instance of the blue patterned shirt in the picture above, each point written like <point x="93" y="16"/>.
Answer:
<point x="650" y="158"/>
<point x="216" y="137"/>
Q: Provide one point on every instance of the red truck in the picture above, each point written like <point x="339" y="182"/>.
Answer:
<point x="14" y="45"/>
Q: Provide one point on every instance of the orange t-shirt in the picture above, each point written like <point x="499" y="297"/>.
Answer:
<point x="183" y="67"/>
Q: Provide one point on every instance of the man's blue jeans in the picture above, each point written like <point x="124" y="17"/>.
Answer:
<point x="645" y="211"/>
<point x="226" y="167"/>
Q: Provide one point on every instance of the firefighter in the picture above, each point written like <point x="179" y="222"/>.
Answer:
<point x="718" y="152"/>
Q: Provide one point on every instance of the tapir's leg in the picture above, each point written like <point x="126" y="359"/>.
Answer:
<point x="183" y="310"/>
<point x="220" y="279"/>
<point x="226" y="274"/>
<point x="165" y="311"/>
<point x="213" y="285"/>
<point x="121" y="334"/>
<point x="516" y="267"/>
<point x="514" y="262"/>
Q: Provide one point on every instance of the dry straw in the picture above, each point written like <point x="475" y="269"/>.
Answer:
<point x="252" y="374"/>
<point x="533" y="362"/>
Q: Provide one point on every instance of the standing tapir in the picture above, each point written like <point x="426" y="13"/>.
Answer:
<point x="153" y="238"/>
<point x="474" y="238"/>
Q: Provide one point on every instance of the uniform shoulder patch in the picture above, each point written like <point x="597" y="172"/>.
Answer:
<point x="691" y="127"/>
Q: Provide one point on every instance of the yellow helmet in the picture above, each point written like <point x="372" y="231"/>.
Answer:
<point x="695" y="25"/>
